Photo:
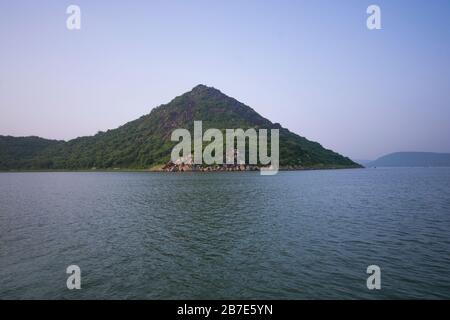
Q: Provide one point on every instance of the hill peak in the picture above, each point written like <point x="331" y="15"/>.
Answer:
<point x="200" y="87"/>
<point x="203" y="89"/>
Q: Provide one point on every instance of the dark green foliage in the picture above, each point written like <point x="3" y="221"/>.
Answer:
<point x="145" y="142"/>
<point x="22" y="152"/>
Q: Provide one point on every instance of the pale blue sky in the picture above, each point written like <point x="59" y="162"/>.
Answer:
<point x="311" y="65"/>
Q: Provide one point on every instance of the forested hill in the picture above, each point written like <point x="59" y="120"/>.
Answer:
<point x="145" y="142"/>
<point x="22" y="152"/>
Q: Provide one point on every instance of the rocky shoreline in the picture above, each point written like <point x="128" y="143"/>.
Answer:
<point x="172" y="167"/>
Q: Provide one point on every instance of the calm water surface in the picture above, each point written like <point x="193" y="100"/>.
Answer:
<point x="296" y="235"/>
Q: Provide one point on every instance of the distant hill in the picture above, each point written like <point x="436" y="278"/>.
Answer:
<point x="145" y="142"/>
<point x="412" y="159"/>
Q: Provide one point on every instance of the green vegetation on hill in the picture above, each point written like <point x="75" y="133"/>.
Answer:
<point x="145" y="142"/>
<point x="22" y="152"/>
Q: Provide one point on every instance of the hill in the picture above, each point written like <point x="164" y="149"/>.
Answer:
<point x="145" y="142"/>
<point x="21" y="152"/>
<point x="413" y="159"/>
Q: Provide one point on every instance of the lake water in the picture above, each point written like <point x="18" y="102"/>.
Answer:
<point x="296" y="235"/>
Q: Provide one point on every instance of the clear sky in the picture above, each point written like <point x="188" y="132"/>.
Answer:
<point x="311" y="65"/>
